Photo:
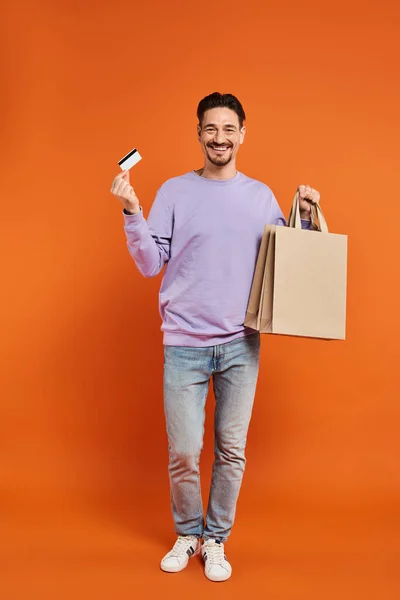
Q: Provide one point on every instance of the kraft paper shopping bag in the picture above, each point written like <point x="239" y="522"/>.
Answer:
<point x="299" y="284"/>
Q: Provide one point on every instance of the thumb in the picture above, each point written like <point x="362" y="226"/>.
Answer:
<point x="125" y="175"/>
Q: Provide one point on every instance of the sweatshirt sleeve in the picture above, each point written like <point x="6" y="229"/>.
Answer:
<point x="277" y="218"/>
<point x="149" y="241"/>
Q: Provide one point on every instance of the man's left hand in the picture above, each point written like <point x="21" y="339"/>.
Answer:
<point x="307" y="196"/>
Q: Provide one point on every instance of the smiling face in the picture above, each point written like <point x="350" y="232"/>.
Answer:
<point x="220" y="135"/>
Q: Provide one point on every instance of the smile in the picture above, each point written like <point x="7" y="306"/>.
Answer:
<point x="220" y="148"/>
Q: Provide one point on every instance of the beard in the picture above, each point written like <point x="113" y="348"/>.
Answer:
<point x="220" y="161"/>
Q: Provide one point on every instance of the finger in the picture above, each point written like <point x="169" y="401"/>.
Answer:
<point x="116" y="185"/>
<point x="128" y="191"/>
<point x="120" y="188"/>
<point x="123" y="175"/>
<point x="125" y="191"/>
<point x="302" y="190"/>
<point x="117" y="179"/>
<point x="308" y="195"/>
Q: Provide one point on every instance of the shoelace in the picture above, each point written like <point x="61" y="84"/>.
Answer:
<point x="182" y="544"/>
<point x="215" y="554"/>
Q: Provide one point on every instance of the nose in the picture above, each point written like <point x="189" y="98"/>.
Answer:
<point x="219" y="136"/>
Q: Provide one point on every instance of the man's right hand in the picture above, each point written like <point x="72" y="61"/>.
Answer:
<point x="122" y="189"/>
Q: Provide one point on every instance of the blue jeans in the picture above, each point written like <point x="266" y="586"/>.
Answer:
<point x="187" y="372"/>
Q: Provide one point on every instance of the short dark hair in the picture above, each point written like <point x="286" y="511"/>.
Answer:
<point x="216" y="100"/>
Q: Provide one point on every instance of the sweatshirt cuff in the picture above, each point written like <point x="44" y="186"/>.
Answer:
<point x="306" y="223"/>
<point x="133" y="220"/>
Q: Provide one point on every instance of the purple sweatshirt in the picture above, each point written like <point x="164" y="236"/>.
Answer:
<point x="208" y="233"/>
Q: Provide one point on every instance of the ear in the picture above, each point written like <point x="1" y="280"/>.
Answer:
<point x="198" y="132"/>
<point x="242" y="134"/>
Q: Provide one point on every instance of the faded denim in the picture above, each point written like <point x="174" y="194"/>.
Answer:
<point x="233" y="367"/>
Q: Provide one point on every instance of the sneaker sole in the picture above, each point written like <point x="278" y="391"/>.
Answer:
<point x="217" y="578"/>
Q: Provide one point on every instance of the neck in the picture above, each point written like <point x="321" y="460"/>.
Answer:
<point x="210" y="171"/>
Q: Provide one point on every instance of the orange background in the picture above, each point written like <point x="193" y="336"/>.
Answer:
<point x="84" y="485"/>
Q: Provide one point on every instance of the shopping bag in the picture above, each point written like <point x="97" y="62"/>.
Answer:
<point x="300" y="280"/>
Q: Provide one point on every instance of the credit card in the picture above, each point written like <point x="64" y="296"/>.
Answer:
<point x="129" y="160"/>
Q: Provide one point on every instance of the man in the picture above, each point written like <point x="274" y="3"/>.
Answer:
<point x="206" y="227"/>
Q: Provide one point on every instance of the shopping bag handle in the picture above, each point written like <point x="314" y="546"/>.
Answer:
<point x="318" y="221"/>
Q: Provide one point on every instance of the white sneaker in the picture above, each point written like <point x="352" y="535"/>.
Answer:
<point x="216" y="566"/>
<point x="177" y="559"/>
